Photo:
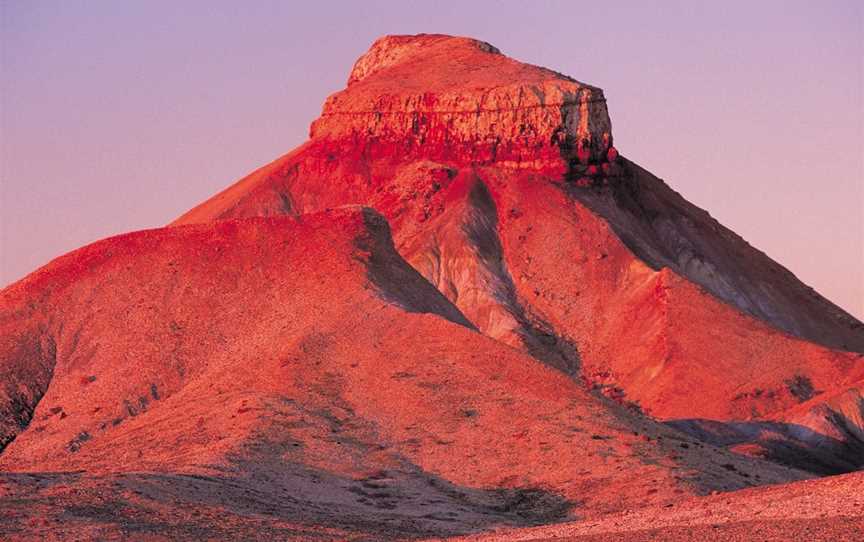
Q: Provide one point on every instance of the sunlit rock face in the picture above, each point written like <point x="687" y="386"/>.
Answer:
<point x="454" y="98"/>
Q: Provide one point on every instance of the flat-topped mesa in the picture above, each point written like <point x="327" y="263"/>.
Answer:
<point x="460" y="99"/>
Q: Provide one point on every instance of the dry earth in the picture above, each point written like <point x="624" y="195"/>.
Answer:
<point x="455" y="311"/>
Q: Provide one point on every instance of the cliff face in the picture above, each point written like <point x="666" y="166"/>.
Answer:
<point x="483" y="108"/>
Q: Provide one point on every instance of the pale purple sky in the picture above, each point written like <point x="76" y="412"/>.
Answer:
<point x="118" y="116"/>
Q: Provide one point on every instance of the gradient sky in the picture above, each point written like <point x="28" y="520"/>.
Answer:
<point x="118" y="116"/>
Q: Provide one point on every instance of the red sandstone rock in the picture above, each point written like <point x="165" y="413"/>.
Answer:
<point x="482" y="106"/>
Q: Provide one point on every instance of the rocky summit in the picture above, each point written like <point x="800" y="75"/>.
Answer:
<point x="456" y="310"/>
<point x="484" y="108"/>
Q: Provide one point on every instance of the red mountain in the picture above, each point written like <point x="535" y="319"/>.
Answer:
<point x="503" y="190"/>
<point x="455" y="308"/>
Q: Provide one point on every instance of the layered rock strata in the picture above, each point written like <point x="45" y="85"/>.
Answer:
<point x="488" y="108"/>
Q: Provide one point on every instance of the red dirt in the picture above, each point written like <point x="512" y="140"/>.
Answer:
<point x="275" y="364"/>
<point x="827" y="509"/>
<point x="241" y="359"/>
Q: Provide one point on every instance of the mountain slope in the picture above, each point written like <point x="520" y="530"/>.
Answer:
<point x="299" y="372"/>
<point x="578" y="256"/>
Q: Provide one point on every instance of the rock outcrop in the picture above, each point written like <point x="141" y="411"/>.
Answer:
<point x="483" y="108"/>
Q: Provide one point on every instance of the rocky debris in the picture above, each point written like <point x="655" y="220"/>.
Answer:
<point x="826" y="509"/>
